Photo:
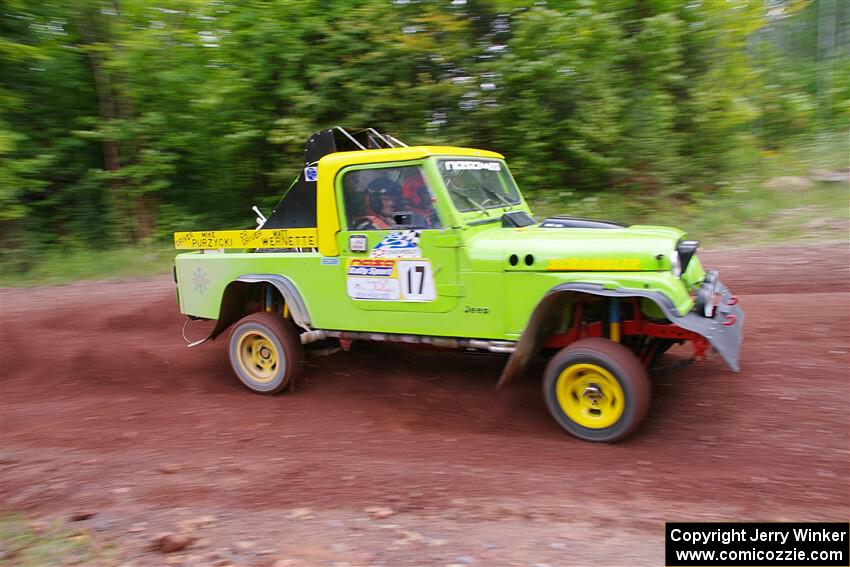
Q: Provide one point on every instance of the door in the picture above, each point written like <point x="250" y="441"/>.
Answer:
<point x="396" y="253"/>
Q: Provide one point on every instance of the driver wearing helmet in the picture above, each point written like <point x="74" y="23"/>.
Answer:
<point x="382" y="196"/>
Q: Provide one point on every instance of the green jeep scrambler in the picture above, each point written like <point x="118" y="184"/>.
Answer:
<point x="435" y="245"/>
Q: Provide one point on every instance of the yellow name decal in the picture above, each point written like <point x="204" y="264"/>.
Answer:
<point x="594" y="265"/>
<point x="268" y="238"/>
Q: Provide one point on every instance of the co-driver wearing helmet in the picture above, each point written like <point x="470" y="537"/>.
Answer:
<point x="417" y="200"/>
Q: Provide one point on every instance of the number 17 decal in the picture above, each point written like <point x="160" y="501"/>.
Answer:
<point x="417" y="280"/>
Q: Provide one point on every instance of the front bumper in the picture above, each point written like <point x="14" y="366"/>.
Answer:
<point x="724" y="330"/>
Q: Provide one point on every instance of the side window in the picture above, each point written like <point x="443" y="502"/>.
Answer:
<point x="388" y="198"/>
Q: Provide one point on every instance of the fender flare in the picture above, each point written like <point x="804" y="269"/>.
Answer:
<point x="231" y="302"/>
<point x="545" y="317"/>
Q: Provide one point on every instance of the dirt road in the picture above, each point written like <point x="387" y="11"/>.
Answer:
<point x="393" y="456"/>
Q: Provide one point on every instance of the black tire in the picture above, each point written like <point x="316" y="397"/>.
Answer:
<point x="614" y="383"/>
<point x="265" y="352"/>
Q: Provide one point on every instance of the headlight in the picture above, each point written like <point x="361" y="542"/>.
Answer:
<point x="675" y="264"/>
<point x="707" y="294"/>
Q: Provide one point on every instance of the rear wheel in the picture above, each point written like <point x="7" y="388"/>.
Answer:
<point x="265" y="352"/>
<point x="597" y="390"/>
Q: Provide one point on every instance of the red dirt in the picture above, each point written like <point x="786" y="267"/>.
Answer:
<point x="105" y="411"/>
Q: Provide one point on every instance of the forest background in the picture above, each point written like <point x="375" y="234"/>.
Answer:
<point x="124" y="120"/>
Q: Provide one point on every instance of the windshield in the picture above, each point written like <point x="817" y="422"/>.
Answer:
<point x="478" y="184"/>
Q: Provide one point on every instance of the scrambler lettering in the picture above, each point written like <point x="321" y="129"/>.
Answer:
<point x="594" y="265"/>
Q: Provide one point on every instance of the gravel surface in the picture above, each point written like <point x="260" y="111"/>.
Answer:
<point x="394" y="456"/>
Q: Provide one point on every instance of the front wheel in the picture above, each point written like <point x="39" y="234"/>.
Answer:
<point x="597" y="390"/>
<point x="265" y="352"/>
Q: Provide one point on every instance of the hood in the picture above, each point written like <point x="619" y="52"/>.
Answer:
<point x="608" y="249"/>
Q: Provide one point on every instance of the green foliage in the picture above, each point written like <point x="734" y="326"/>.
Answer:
<point x="26" y="543"/>
<point x="32" y="265"/>
<point x="120" y="122"/>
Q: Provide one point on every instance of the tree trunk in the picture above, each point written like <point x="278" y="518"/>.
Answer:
<point x="145" y="213"/>
<point x="111" y="149"/>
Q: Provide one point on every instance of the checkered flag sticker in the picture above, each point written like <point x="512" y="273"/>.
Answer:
<point x="411" y="236"/>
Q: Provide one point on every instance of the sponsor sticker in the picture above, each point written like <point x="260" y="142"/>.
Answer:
<point x="473" y="165"/>
<point x="311" y="173"/>
<point x="358" y="242"/>
<point x="376" y="289"/>
<point x="390" y="279"/>
<point x="372" y="278"/>
<point x="371" y="267"/>
<point x="398" y="244"/>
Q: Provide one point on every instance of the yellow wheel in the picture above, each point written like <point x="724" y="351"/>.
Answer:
<point x="257" y="355"/>
<point x="597" y="390"/>
<point x="590" y="395"/>
<point x="265" y="352"/>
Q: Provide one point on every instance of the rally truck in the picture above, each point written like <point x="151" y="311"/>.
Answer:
<point x="435" y="245"/>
